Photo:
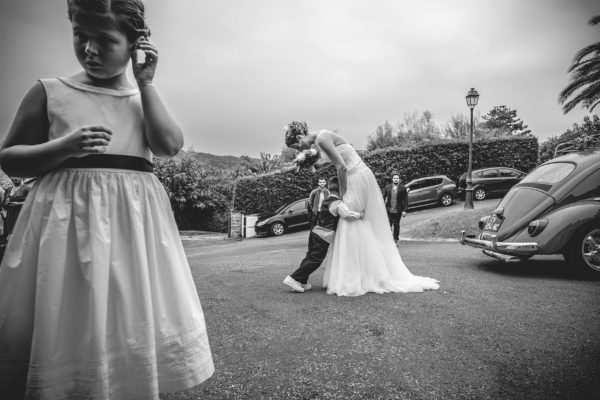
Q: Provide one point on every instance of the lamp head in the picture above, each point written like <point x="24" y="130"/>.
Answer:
<point x="472" y="98"/>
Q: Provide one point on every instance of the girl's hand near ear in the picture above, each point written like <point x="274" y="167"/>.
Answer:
<point x="144" y="72"/>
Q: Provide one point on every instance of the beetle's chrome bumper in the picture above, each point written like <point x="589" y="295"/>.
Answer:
<point x="492" y="245"/>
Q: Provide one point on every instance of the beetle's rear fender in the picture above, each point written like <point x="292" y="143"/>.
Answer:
<point x="562" y="224"/>
<point x="519" y="207"/>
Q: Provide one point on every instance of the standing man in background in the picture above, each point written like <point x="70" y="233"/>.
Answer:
<point x="315" y="200"/>
<point x="12" y="203"/>
<point x="396" y="202"/>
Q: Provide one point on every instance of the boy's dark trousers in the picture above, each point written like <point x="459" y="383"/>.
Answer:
<point x="317" y="250"/>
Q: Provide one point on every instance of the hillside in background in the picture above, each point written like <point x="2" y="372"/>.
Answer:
<point x="205" y="159"/>
<point x="214" y="161"/>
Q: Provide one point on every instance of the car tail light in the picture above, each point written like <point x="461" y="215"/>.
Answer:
<point x="537" y="226"/>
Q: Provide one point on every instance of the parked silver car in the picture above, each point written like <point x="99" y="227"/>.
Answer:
<point x="431" y="190"/>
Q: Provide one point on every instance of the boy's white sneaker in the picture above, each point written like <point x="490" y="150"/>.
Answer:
<point x="294" y="284"/>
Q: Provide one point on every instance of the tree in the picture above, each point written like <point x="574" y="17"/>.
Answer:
<point x="419" y="128"/>
<point x="590" y="126"/>
<point x="266" y="163"/>
<point x="415" y="129"/>
<point x="199" y="196"/>
<point x="585" y="77"/>
<point x="287" y="155"/>
<point x="460" y="127"/>
<point x="503" y="121"/>
<point x="384" y="136"/>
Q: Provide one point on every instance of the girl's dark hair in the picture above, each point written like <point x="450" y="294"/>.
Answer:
<point x="295" y="128"/>
<point x="129" y="14"/>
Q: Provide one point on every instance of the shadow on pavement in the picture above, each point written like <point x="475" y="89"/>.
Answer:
<point x="542" y="267"/>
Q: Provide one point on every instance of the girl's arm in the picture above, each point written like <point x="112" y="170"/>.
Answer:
<point x="163" y="134"/>
<point x="26" y="151"/>
<point x="325" y="142"/>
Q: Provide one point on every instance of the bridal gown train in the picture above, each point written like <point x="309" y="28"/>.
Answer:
<point x="363" y="256"/>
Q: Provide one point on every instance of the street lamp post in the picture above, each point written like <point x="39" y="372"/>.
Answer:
<point x="472" y="99"/>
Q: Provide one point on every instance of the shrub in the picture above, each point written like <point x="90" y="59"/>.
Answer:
<point x="199" y="198"/>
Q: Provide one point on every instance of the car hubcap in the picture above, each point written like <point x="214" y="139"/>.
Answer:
<point x="591" y="249"/>
<point x="278" y="229"/>
<point x="446" y="200"/>
<point x="480" y="195"/>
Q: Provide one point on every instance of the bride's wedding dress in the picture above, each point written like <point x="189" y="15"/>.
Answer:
<point x="363" y="256"/>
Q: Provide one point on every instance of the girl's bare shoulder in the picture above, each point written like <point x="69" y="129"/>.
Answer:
<point x="30" y="125"/>
<point x="34" y="102"/>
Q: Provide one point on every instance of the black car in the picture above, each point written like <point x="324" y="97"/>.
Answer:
<point x="490" y="181"/>
<point x="289" y="216"/>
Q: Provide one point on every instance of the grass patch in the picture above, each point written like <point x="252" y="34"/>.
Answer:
<point x="448" y="226"/>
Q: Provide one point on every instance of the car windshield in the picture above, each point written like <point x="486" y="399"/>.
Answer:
<point x="280" y="209"/>
<point x="549" y="174"/>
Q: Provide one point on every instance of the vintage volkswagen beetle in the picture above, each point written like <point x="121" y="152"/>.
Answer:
<point x="553" y="210"/>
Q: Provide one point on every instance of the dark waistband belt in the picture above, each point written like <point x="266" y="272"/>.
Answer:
<point x="116" y="161"/>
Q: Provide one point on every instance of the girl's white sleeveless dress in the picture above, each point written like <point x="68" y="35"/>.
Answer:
<point x="363" y="256"/>
<point x="97" y="300"/>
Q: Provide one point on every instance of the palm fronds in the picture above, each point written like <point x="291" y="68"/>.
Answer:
<point x="585" y="77"/>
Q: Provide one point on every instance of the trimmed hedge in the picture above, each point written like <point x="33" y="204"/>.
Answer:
<point x="451" y="158"/>
<point x="263" y="194"/>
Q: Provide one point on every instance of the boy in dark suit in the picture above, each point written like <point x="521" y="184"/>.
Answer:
<point x="321" y="236"/>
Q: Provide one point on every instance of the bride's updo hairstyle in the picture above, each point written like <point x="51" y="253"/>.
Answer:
<point x="128" y="14"/>
<point x="293" y="129"/>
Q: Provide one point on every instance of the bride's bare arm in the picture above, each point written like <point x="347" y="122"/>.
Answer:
<point x="325" y="142"/>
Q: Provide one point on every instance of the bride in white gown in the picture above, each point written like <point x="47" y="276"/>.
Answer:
<point x="363" y="256"/>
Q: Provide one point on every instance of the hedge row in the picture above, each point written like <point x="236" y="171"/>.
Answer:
<point x="263" y="194"/>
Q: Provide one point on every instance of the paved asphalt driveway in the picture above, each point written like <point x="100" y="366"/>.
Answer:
<point x="492" y="331"/>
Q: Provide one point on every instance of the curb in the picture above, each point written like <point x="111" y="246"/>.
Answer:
<point x="429" y="240"/>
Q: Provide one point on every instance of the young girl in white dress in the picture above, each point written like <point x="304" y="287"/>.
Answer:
<point x="363" y="256"/>
<point x="97" y="300"/>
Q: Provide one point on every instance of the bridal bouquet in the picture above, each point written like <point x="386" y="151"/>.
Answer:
<point x="307" y="159"/>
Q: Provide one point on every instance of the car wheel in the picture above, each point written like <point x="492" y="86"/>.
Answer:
<point x="583" y="250"/>
<point x="479" y="194"/>
<point x="446" y="199"/>
<point x="277" y="229"/>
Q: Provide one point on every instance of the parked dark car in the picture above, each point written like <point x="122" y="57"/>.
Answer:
<point x="289" y="216"/>
<point x="490" y="181"/>
<point x="437" y="189"/>
<point x="553" y="210"/>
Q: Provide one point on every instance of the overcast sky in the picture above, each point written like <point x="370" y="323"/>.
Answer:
<point x="235" y="72"/>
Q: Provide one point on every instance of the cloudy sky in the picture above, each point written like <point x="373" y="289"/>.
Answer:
<point x="235" y="72"/>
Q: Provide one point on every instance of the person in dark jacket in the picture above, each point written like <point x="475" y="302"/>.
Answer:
<point x="316" y="198"/>
<point x="12" y="203"/>
<point x="395" y="197"/>
<point x="321" y="236"/>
